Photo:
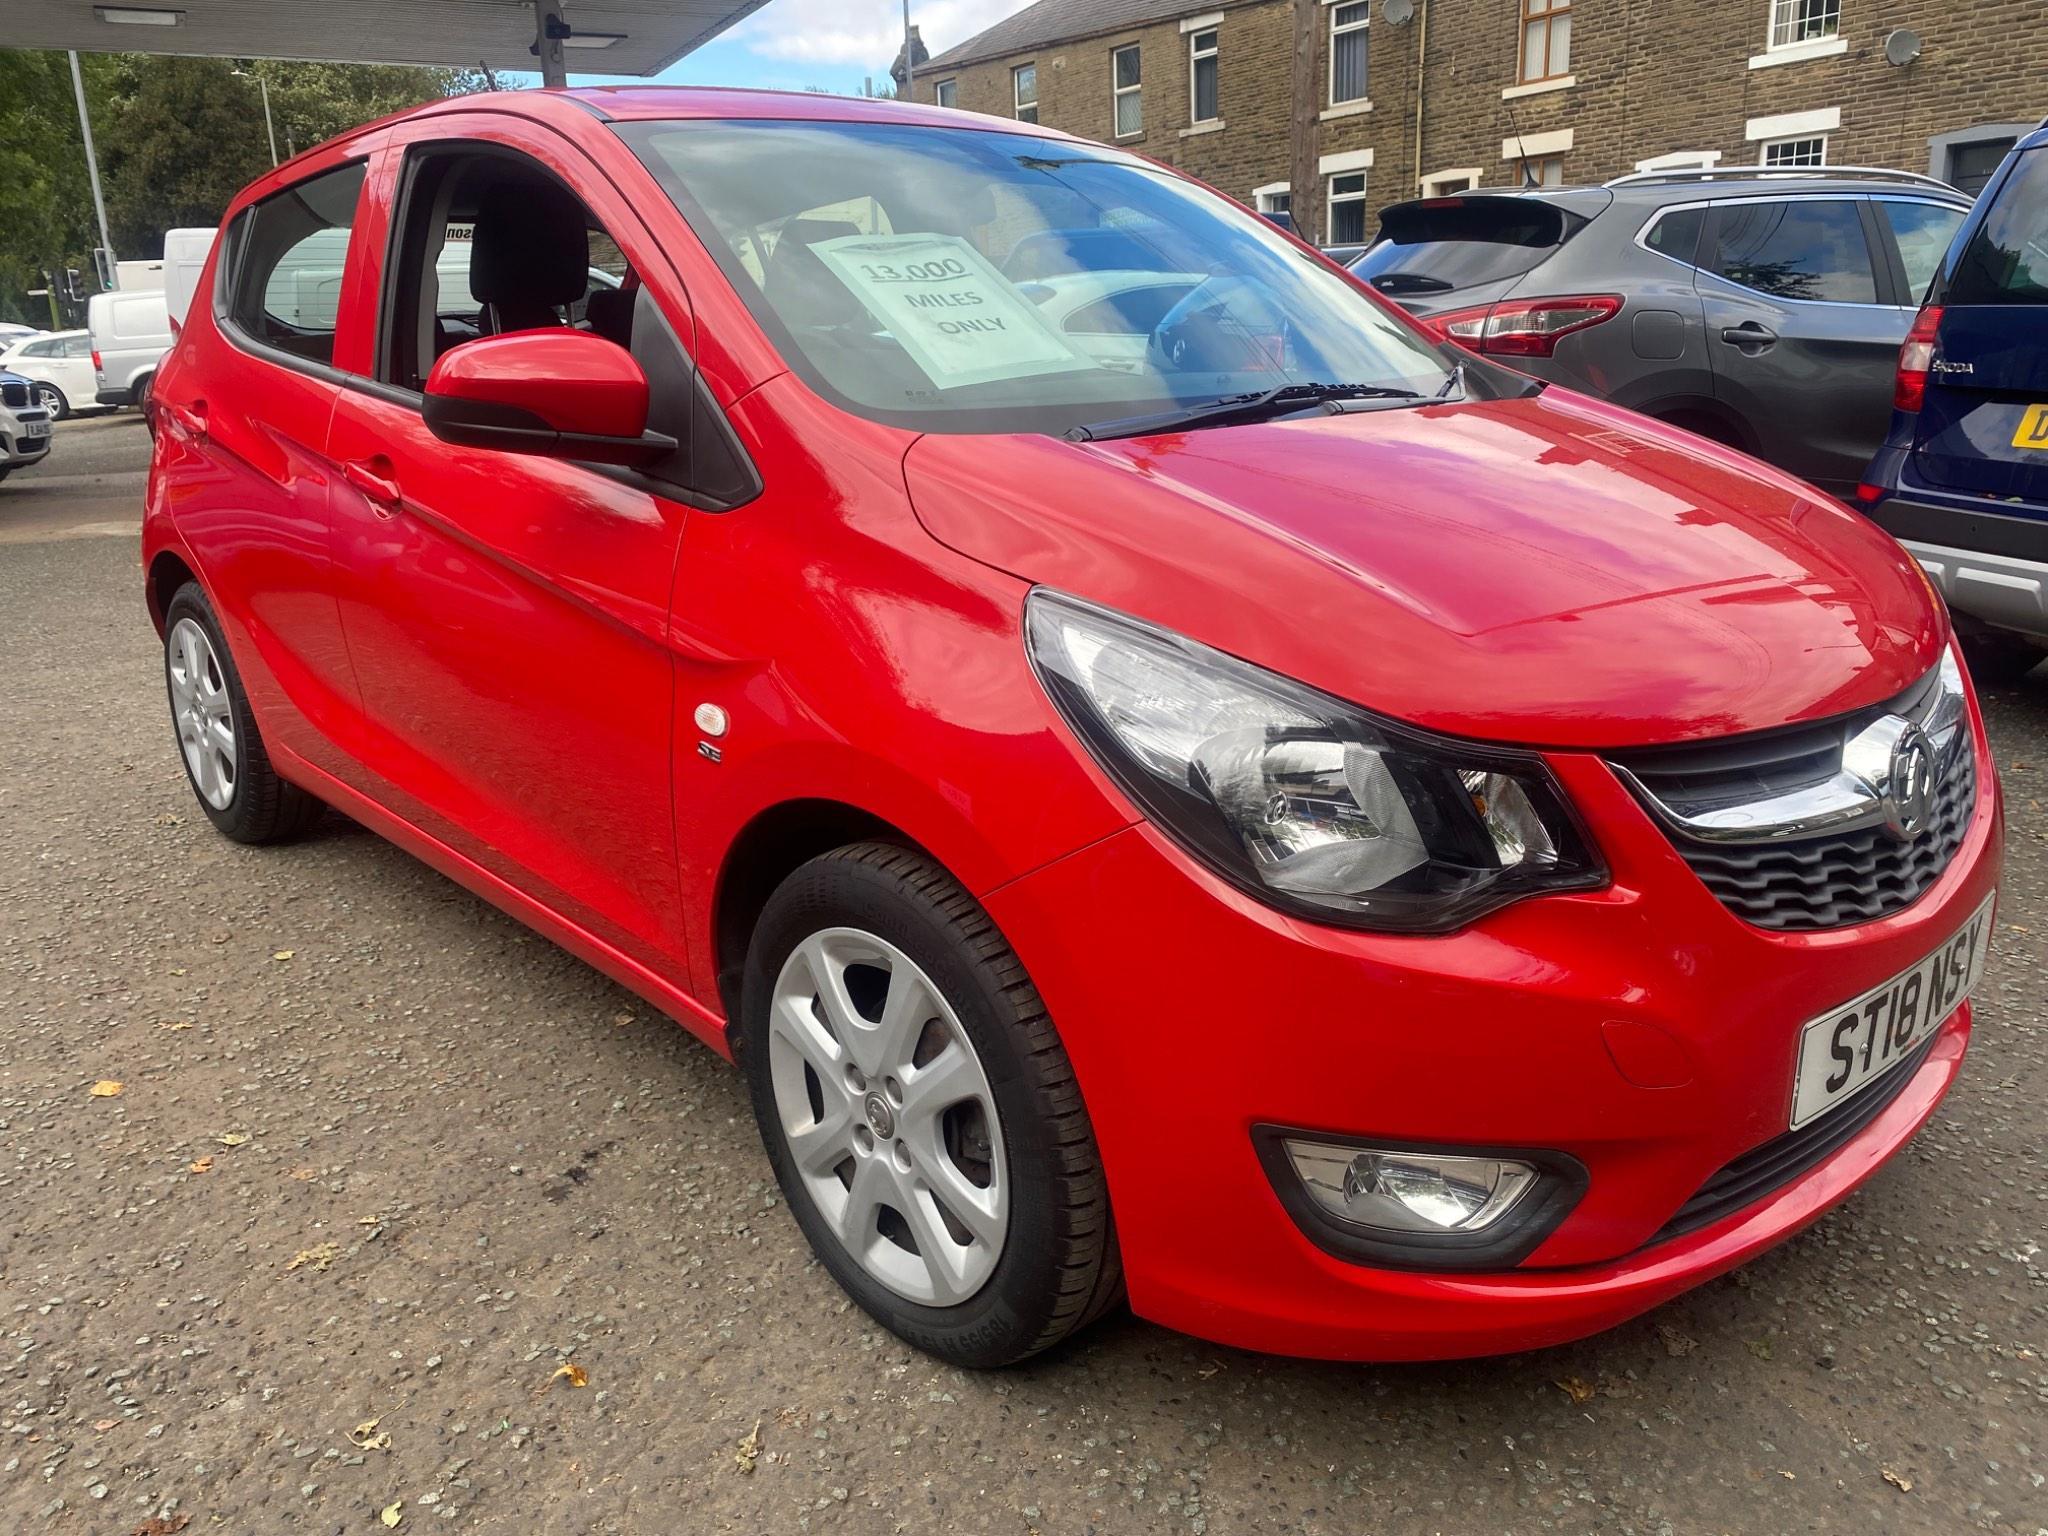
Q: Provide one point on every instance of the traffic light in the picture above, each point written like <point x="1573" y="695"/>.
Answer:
<point x="74" y="285"/>
<point x="103" y="264"/>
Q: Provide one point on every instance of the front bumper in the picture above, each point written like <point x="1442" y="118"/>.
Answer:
<point x="1202" y="1013"/>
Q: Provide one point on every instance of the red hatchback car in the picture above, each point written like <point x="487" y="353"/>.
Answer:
<point x="1169" y="781"/>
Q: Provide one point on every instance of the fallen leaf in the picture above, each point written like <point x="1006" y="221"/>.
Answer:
<point x="107" y="1088"/>
<point x="622" y="1019"/>
<point x="168" y="1526"/>
<point x="302" y="1174"/>
<point x="572" y="1373"/>
<point x="103" y="1425"/>
<point x="749" y="1450"/>
<point x="170" y="819"/>
<point x="175" y="1024"/>
<point x="365" y="1437"/>
<point x="202" y="1165"/>
<point x="234" y="1139"/>
<point x="392" y="1513"/>
<point x="1577" y="1390"/>
<point x="1902" y="1483"/>
<point x="1761" y="1348"/>
<point x="177" y="970"/>
<point x="319" y="1257"/>
<point x="286" y="954"/>
<point x="1676" y="1344"/>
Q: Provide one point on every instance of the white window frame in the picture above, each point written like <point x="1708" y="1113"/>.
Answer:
<point x="1194" y="29"/>
<point x="1354" y="162"/>
<point x="1433" y="184"/>
<point x="946" y="92"/>
<point x="1117" y="93"/>
<point x="1785" y="14"/>
<point x="1262" y="197"/>
<point x="1763" y="154"/>
<point x="1017" y="101"/>
<point x="1330" y="84"/>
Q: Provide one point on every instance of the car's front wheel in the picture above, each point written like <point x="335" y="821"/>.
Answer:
<point x="51" y="399"/>
<point x="920" y="1113"/>
<point x="225" y="760"/>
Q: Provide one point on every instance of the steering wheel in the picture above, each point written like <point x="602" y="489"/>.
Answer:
<point x="1217" y="326"/>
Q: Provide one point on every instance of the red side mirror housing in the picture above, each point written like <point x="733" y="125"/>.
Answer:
<point x="559" y="393"/>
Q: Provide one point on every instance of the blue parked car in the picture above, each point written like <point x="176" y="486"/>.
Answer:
<point x="1962" y="478"/>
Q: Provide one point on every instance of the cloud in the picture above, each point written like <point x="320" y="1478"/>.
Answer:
<point x="863" y="32"/>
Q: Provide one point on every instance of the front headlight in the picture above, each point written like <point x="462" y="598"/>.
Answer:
<point x="1300" y="798"/>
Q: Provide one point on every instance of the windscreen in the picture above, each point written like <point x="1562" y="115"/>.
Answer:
<point x="958" y="280"/>
<point x="1439" y="245"/>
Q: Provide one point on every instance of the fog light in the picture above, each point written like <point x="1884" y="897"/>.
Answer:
<point x="1410" y="1191"/>
<point x="1420" y="1207"/>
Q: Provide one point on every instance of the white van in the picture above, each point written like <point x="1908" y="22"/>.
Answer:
<point x="185" y="252"/>
<point x="130" y="334"/>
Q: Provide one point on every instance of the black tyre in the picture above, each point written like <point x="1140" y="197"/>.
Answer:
<point x="51" y="399"/>
<point x="1997" y="659"/>
<point x="222" y="750"/>
<point x="920" y="1113"/>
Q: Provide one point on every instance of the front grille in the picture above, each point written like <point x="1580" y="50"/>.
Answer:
<point x="14" y="393"/>
<point x="1853" y="874"/>
<point x="1783" y="1159"/>
<point x="1848" y="877"/>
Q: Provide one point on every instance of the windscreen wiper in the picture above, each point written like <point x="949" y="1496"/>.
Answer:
<point x="1231" y="409"/>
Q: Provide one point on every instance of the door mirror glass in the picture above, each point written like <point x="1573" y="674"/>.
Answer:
<point x="562" y="394"/>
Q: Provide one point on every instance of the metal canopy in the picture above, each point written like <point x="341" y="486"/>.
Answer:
<point x="647" y="35"/>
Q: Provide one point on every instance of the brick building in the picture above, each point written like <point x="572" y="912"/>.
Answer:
<point x="1561" y="90"/>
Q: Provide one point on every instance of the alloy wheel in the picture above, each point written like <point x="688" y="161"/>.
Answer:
<point x="203" y="712"/>
<point x="51" y="399"/>
<point x="888" y="1116"/>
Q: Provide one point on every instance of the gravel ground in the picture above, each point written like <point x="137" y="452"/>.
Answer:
<point x="402" y="1213"/>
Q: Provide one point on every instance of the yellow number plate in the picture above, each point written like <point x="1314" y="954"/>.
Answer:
<point x="2033" y="432"/>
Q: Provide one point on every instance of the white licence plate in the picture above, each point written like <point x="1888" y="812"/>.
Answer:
<point x="35" y="429"/>
<point x="1848" y="1048"/>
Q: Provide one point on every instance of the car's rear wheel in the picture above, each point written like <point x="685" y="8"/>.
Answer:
<point x="51" y="399"/>
<point x="920" y="1113"/>
<point x="218" y="741"/>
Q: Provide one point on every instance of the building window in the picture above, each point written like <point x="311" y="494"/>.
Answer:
<point x="1347" y="208"/>
<point x="1126" y="91"/>
<point x="1546" y="40"/>
<point x="946" y="93"/>
<point x="1539" y="171"/>
<point x="1804" y="21"/>
<point x="1682" y="160"/>
<point x="1446" y="183"/>
<point x="1273" y="198"/>
<point x="1024" y="88"/>
<point x="1347" y="51"/>
<point x="1812" y="150"/>
<point x="1202" y="75"/>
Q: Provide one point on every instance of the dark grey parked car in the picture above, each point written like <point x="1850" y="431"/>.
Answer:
<point x="1762" y="308"/>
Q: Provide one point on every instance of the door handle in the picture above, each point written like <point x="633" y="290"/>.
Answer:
<point x="373" y="478"/>
<point x="1749" y="334"/>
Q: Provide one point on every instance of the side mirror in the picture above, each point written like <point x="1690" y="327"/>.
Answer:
<point x="562" y="394"/>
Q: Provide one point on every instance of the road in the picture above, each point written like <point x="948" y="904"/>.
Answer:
<point x="380" y="1155"/>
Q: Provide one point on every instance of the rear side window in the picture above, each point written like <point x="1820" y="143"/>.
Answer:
<point x="1809" y="250"/>
<point x="2006" y="261"/>
<point x="290" y="253"/>
<point x="1677" y="234"/>
<point x="1441" y="244"/>
<point x="1923" y="231"/>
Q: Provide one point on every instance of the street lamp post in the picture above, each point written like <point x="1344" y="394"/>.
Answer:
<point x="92" y="166"/>
<point x="269" y="128"/>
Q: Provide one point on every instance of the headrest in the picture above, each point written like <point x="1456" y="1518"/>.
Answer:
<point x="530" y="246"/>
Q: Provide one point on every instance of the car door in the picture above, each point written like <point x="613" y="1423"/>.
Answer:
<point x="73" y="369"/>
<point x="1802" y="328"/>
<point x="507" y="614"/>
<point x="240" y="451"/>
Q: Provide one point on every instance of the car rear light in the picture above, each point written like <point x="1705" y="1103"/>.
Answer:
<point x="1916" y="356"/>
<point x="1868" y="494"/>
<point x="1525" y="327"/>
<point x="177" y="329"/>
<point x="97" y="365"/>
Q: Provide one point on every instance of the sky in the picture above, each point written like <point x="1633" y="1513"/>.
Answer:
<point x="832" y="45"/>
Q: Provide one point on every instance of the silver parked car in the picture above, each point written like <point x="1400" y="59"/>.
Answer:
<point x="1759" y="307"/>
